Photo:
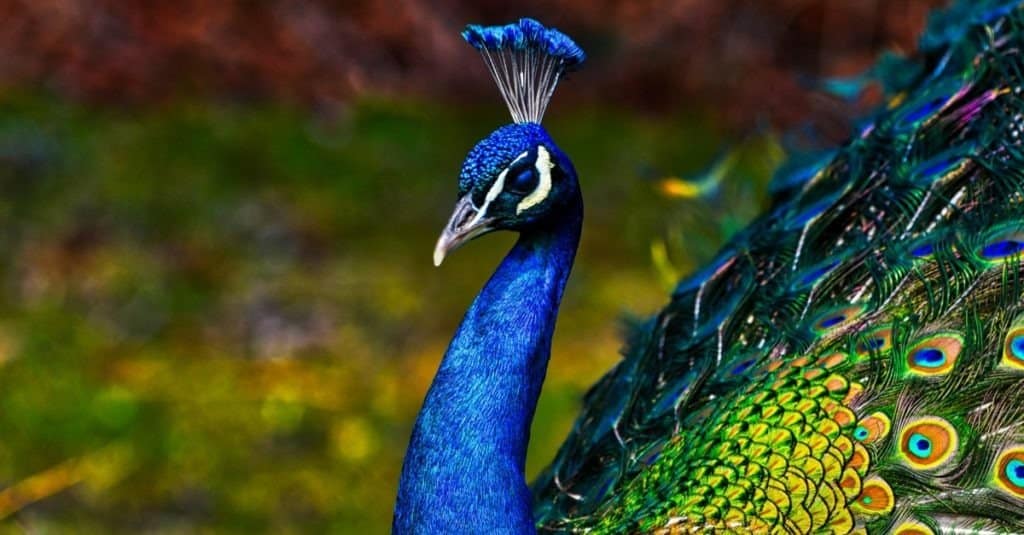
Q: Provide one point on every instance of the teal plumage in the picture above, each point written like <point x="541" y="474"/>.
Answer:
<point x="853" y="361"/>
<point x="898" y="257"/>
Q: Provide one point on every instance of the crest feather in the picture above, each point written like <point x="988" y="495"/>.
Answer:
<point x="526" y="60"/>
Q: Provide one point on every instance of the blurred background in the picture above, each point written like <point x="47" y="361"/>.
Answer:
<point x="218" y="311"/>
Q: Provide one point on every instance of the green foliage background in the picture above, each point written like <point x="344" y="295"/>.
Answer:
<point x="222" y="318"/>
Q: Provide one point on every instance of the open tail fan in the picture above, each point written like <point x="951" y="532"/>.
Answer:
<point x="854" y="359"/>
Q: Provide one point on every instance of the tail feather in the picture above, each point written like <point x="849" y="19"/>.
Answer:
<point x="854" y="359"/>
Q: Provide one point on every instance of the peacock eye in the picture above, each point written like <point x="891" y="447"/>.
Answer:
<point x="523" y="180"/>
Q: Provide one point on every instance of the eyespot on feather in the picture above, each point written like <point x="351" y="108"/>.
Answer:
<point x="1013" y="347"/>
<point x="924" y="250"/>
<point x="875" y="498"/>
<point x="837" y="318"/>
<point x="878" y="341"/>
<point x="927" y="442"/>
<point x="1001" y="245"/>
<point x="935" y="355"/>
<point x="873" y="428"/>
<point x="1009" y="471"/>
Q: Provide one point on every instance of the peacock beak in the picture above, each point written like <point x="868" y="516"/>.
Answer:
<point x="465" y="224"/>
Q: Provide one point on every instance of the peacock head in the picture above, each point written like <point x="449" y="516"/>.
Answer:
<point x="516" y="177"/>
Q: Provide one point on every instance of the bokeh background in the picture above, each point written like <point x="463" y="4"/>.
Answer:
<point x="218" y="312"/>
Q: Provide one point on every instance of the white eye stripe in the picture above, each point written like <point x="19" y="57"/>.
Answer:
<point x="544" y="166"/>
<point x="499" y="184"/>
<point x="496" y="188"/>
<point x="520" y="157"/>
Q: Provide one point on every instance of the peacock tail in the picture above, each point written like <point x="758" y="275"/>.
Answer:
<point x="854" y="359"/>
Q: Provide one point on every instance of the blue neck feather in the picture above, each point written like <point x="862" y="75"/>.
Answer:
<point x="464" y="470"/>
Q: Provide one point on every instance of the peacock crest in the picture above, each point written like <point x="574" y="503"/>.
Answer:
<point x="527" y="61"/>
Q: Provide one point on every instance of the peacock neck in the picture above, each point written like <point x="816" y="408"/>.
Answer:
<point x="464" y="471"/>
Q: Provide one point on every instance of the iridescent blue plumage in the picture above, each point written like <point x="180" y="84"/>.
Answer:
<point x="525" y="35"/>
<point x="464" y="470"/>
<point x="495" y="152"/>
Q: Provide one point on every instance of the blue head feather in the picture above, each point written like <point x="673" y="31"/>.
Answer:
<point x="527" y="34"/>
<point x="496" y="151"/>
<point x="514" y="147"/>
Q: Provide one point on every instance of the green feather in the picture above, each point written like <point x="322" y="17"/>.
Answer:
<point x="855" y="358"/>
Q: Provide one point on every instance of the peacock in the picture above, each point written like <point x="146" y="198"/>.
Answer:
<point x="851" y="362"/>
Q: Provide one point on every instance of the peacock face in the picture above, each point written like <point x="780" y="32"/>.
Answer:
<point x="512" y="180"/>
